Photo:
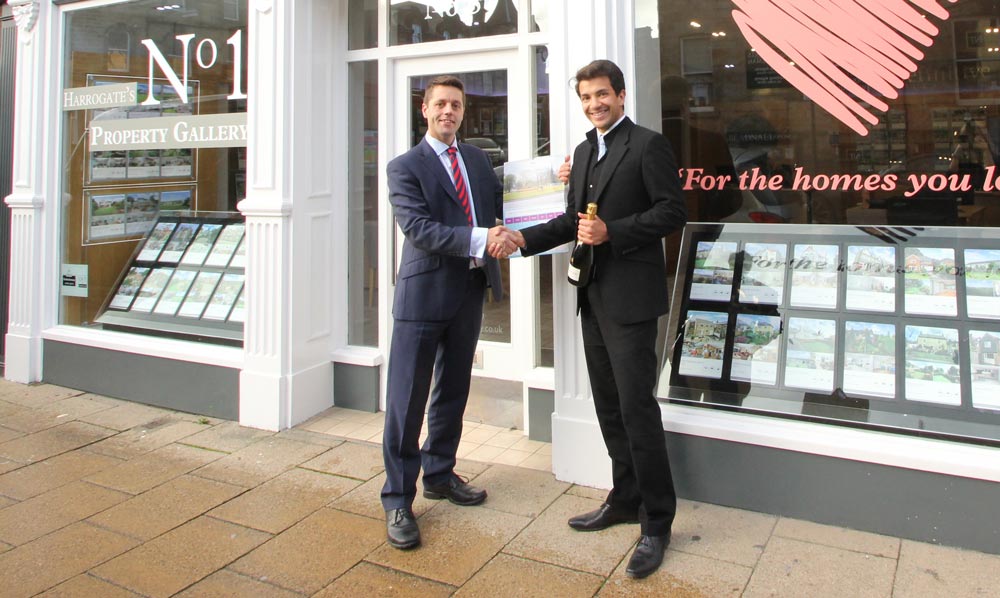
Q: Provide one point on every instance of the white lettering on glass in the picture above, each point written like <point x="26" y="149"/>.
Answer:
<point x="180" y="83"/>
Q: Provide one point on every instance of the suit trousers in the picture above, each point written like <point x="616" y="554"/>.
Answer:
<point x="419" y="348"/>
<point x="621" y="361"/>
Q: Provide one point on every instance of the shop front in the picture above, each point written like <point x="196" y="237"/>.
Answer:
<point x="200" y="221"/>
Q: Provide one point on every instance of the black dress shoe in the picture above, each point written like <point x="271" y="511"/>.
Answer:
<point x="647" y="556"/>
<point x="457" y="490"/>
<point x="603" y="517"/>
<point x="401" y="528"/>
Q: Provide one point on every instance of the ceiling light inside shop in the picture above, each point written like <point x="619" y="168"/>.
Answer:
<point x="168" y="7"/>
<point x="696" y="24"/>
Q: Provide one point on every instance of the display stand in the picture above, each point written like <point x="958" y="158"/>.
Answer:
<point x="894" y="327"/>
<point x="184" y="280"/>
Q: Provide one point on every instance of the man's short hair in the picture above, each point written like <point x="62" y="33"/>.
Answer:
<point x="446" y="80"/>
<point x="598" y="69"/>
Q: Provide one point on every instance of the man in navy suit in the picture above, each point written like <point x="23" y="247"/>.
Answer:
<point x="446" y="199"/>
<point x="630" y="173"/>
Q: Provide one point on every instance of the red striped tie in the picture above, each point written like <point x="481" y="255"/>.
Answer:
<point x="463" y="193"/>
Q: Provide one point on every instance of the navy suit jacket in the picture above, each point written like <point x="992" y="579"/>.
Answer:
<point x="434" y="271"/>
<point x="640" y="199"/>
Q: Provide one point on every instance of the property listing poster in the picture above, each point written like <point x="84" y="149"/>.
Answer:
<point x="755" y="349"/>
<point x="532" y="194"/>
<point x="930" y="281"/>
<point x="174" y="294"/>
<point x="870" y="359"/>
<point x="984" y="357"/>
<point x="156" y="241"/>
<point x="714" y="268"/>
<point x="932" y="370"/>
<point x="151" y="289"/>
<point x="128" y="288"/>
<point x="704" y="344"/>
<point x="871" y="278"/>
<point x="809" y="361"/>
<point x="814" y="276"/>
<point x="763" y="278"/>
<point x="982" y="283"/>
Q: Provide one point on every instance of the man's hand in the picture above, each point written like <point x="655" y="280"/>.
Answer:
<point x="501" y="241"/>
<point x="563" y="173"/>
<point x="591" y="232"/>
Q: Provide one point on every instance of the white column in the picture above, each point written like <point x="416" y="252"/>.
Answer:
<point x="578" y="454"/>
<point x="23" y="340"/>
<point x="287" y="375"/>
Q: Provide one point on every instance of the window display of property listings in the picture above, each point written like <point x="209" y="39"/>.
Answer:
<point x="894" y="327"/>
<point x="153" y="116"/>
<point x="185" y="280"/>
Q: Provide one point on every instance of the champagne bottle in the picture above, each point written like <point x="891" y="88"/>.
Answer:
<point x="581" y="263"/>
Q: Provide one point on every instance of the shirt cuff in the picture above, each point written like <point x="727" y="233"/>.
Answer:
<point x="477" y="245"/>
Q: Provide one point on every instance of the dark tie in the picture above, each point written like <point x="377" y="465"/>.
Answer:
<point x="456" y="173"/>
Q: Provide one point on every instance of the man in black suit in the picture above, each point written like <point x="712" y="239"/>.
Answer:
<point x="630" y="172"/>
<point x="446" y="199"/>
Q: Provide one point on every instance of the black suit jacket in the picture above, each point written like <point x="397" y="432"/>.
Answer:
<point x="434" y="270"/>
<point x="639" y="197"/>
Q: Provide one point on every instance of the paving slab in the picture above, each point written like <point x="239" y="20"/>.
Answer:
<point x="181" y="557"/>
<point x="66" y="553"/>
<point x="838" y="537"/>
<point x="361" y="461"/>
<point x="795" y="568"/>
<point x="285" y="500"/>
<point x="931" y="571"/>
<point x="456" y="543"/>
<point x="154" y="468"/>
<point x="549" y="539"/>
<point x="519" y="491"/>
<point x="52" y="473"/>
<point x="366" y="579"/>
<point x="146" y="437"/>
<point x="309" y="437"/>
<point x="309" y="555"/>
<point x="52" y="414"/>
<point x="227" y="437"/>
<point x="227" y="584"/>
<point x="87" y="585"/>
<point x="55" y="509"/>
<point x="53" y="441"/>
<point x="366" y="500"/>
<point x="126" y="416"/>
<point x="508" y="575"/>
<point x="35" y="395"/>
<point x="721" y="533"/>
<point x="260" y="461"/>
<point x="165" y="507"/>
<point x="681" y="576"/>
<point x="7" y="434"/>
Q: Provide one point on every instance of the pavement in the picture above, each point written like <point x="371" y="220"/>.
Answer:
<point x="107" y="498"/>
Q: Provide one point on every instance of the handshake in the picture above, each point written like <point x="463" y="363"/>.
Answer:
<point x="502" y="241"/>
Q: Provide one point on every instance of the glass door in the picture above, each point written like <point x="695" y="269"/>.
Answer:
<point x="488" y="111"/>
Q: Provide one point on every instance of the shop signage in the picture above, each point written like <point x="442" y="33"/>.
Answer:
<point x="847" y="56"/>
<point x="206" y="54"/>
<point x="100" y="97"/>
<point x="174" y="132"/>
<point x="465" y="10"/>
<point x="755" y="180"/>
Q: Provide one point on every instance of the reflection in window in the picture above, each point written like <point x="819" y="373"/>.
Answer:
<point x="729" y="112"/>
<point x="363" y="204"/>
<point x="362" y="18"/>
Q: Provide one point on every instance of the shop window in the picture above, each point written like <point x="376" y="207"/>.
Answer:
<point x="363" y="205"/>
<point x="362" y="16"/>
<point x="154" y="132"/>
<point x="888" y="321"/>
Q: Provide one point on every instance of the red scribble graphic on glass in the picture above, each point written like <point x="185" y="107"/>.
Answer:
<point x="848" y="56"/>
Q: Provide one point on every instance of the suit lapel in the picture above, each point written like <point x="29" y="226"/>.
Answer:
<point x="614" y="156"/>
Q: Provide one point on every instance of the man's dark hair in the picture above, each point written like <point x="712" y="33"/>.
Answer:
<point x="446" y="80"/>
<point x="598" y="69"/>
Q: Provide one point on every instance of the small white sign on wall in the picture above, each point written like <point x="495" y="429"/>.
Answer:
<point x="74" y="281"/>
